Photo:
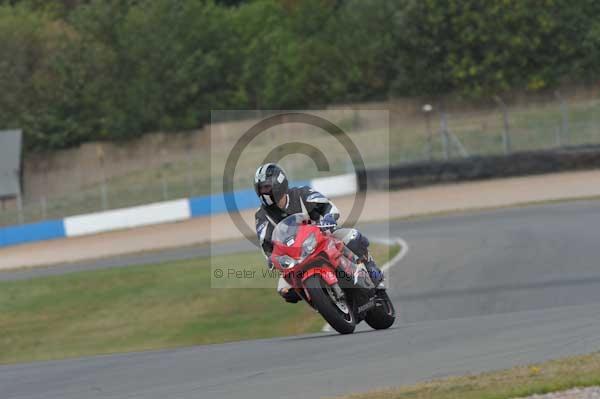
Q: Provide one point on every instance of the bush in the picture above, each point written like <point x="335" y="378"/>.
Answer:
<point x="78" y="70"/>
<point x="479" y="47"/>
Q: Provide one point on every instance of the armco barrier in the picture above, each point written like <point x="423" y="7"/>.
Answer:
<point x="213" y="204"/>
<point x="47" y="230"/>
<point x="244" y="199"/>
<point x="335" y="185"/>
<point x="161" y="212"/>
<point x="397" y="177"/>
<point x="478" y="168"/>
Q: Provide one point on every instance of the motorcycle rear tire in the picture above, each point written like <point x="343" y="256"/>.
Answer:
<point x="384" y="315"/>
<point x="344" y="323"/>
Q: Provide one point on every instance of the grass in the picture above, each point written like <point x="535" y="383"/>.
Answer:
<point x="522" y="381"/>
<point x="141" y="308"/>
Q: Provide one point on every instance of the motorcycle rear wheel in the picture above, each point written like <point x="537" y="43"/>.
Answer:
<point x="336" y="312"/>
<point x="383" y="315"/>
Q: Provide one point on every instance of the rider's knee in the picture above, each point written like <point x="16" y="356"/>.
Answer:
<point x="358" y="243"/>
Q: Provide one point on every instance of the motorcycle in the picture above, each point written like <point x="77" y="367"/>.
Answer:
<point x="328" y="275"/>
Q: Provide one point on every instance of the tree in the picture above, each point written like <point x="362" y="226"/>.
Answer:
<point x="478" y="47"/>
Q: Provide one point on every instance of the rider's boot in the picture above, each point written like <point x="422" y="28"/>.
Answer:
<point x="290" y="296"/>
<point x="375" y="273"/>
<point x="287" y="292"/>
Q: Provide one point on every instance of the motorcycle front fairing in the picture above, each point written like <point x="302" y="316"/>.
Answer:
<point x="302" y="249"/>
<point x="298" y="249"/>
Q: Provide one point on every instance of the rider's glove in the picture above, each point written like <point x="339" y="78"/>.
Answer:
<point x="270" y="263"/>
<point x="329" y="221"/>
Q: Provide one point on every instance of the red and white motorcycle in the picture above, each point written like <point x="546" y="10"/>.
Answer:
<point x="328" y="276"/>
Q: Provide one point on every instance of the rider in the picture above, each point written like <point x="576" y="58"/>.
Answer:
<point x="278" y="201"/>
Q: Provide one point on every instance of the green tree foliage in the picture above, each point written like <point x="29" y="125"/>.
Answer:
<point x="477" y="47"/>
<point x="78" y="70"/>
<point x="172" y="61"/>
<point x="56" y="7"/>
<point x="49" y="79"/>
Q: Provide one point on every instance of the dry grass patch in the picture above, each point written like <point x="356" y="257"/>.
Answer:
<point x="522" y="381"/>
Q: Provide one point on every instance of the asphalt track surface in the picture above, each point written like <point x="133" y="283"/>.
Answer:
<point x="475" y="292"/>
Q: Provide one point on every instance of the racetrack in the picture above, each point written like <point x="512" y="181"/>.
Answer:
<point x="475" y="292"/>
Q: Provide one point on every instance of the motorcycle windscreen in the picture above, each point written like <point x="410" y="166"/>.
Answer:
<point x="286" y="230"/>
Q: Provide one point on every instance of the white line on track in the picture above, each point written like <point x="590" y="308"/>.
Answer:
<point x="392" y="262"/>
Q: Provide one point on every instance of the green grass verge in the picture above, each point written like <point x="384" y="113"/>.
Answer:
<point x="142" y="308"/>
<point x="542" y="378"/>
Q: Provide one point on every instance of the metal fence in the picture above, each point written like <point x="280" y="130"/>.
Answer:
<point x="500" y="130"/>
<point x="425" y="132"/>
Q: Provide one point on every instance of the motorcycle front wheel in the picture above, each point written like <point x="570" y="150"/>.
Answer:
<point x="334" y="310"/>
